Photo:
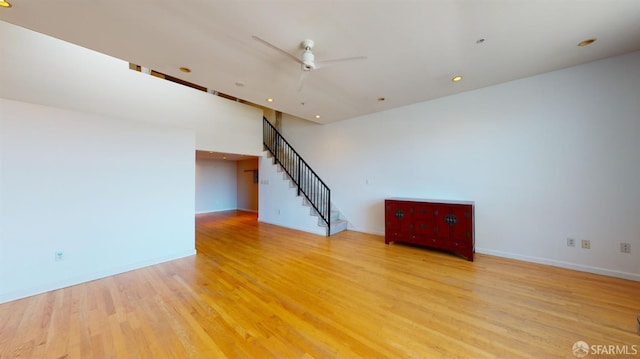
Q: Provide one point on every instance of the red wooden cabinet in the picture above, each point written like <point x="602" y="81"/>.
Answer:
<point x="447" y="225"/>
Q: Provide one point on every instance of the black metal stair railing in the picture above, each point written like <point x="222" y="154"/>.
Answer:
<point x="307" y="181"/>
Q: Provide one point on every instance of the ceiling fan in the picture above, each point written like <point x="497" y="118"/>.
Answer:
<point x="307" y="59"/>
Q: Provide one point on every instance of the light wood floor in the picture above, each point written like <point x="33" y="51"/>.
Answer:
<point x="260" y="291"/>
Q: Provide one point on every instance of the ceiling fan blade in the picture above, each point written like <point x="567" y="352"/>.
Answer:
<point x="277" y="49"/>
<point x="303" y="79"/>
<point x="324" y="63"/>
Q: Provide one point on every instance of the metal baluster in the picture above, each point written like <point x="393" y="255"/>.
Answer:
<point x="299" y="169"/>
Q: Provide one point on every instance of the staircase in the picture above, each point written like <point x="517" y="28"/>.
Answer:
<point x="315" y="193"/>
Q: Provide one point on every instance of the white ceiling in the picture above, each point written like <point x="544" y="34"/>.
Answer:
<point x="413" y="48"/>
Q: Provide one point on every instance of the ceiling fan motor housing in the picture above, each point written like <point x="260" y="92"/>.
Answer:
<point x="307" y="44"/>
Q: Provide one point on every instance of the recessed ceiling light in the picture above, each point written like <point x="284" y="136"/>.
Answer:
<point x="587" y="42"/>
<point x="457" y="79"/>
<point x="185" y="69"/>
<point x="269" y="100"/>
<point x="317" y="116"/>
<point x="5" y="4"/>
<point x="381" y="99"/>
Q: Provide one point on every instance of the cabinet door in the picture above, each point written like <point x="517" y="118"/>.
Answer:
<point x="440" y="228"/>
<point x="391" y="223"/>
<point x="460" y="218"/>
<point x="404" y="214"/>
<point x="398" y="218"/>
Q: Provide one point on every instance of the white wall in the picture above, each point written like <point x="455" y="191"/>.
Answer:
<point x="544" y="158"/>
<point x="247" y="189"/>
<point x="216" y="185"/>
<point x="111" y="195"/>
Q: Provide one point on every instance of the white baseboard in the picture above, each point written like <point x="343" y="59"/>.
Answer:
<point x="7" y="297"/>
<point x="216" y="210"/>
<point x="228" y="209"/>
<point x="319" y="230"/>
<point x="545" y="261"/>
<point x="561" y="264"/>
<point x="248" y="210"/>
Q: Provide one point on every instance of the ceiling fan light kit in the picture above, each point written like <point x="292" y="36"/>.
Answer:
<point x="307" y="61"/>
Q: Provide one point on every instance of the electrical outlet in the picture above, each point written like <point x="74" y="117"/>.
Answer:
<point x="625" y="247"/>
<point x="571" y="242"/>
<point x="59" y="256"/>
<point x="586" y="244"/>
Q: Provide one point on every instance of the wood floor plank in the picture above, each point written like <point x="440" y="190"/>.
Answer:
<point x="256" y="290"/>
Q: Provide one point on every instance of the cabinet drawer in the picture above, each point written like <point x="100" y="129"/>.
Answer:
<point x="424" y="211"/>
<point x="424" y="227"/>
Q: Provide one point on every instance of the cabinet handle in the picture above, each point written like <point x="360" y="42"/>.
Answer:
<point x="451" y="219"/>
<point x="399" y="214"/>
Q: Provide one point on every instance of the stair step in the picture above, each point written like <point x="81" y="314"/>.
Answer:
<point x="333" y="216"/>
<point x="338" y="226"/>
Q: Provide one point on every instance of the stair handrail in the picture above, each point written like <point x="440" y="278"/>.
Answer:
<point x="309" y="184"/>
